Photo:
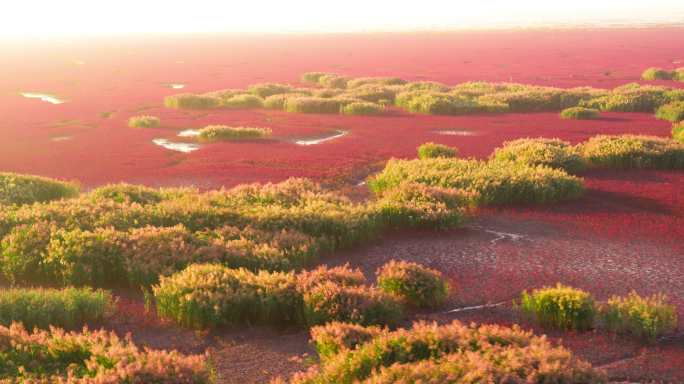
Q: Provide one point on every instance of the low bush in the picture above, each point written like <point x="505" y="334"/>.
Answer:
<point x="673" y="112"/>
<point x="66" y="308"/>
<point x="27" y="189"/>
<point x="428" y="352"/>
<point x="370" y="93"/>
<point x="313" y="77"/>
<point x="678" y="74"/>
<point x="264" y="90"/>
<point x="678" y="132"/>
<point x="631" y="151"/>
<point x="629" y="98"/>
<point x="127" y="193"/>
<point x="191" y="101"/>
<point x="643" y="317"/>
<point x="335" y="337"/>
<point x="579" y="113"/>
<point x="490" y="182"/>
<point x="423" y="206"/>
<point x="279" y="101"/>
<point x="54" y="356"/>
<point x="328" y="302"/>
<point x="144" y="122"/>
<point x="419" y="286"/>
<point x="210" y="295"/>
<point x="560" y="307"/>
<point x="553" y="153"/>
<point x="362" y="108"/>
<point x="654" y="73"/>
<point x="530" y="99"/>
<point x="24" y="250"/>
<point x="333" y="81"/>
<point x="313" y="105"/>
<point x="226" y="133"/>
<point x="362" y="81"/>
<point x="429" y="86"/>
<point x="242" y="102"/>
<point x="439" y="103"/>
<point x="432" y="150"/>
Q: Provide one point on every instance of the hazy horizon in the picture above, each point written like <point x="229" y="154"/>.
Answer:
<point x="82" y="18"/>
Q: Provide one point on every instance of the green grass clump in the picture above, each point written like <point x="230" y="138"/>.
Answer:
<point x="673" y="112"/>
<point x="417" y="285"/>
<point x="452" y="353"/>
<point x="423" y="206"/>
<point x="678" y="74"/>
<point x="371" y="93"/>
<point x="313" y="104"/>
<point x="52" y="356"/>
<point x="492" y="182"/>
<point x="560" y="307"/>
<point x="191" y="101"/>
<point x="242" y="101"/>
<point x="226" y="133"/>
<point x="67" y="308"/>
<point x="439" y="103"/>
<point x="144" y="122"/>
<point x="430" y="86"/>
<point x="127" y="193"/>
<point x="553" y="153"/>
<point x="579" y="113"/>
<point x="643" y="317"/>
<point x="632" y="151"/>
<point x="433" y="151"/>
<point x="279" y="101"/>
<point x="332" y="338"/>
<point x="362" y="108"/>
<point x="21" y="189"/>
<point x="313" y="77"/>
<point x="210" y="295"/>
<point x="655" y="73"/>
<point x="678" y="132"/>
<point x="264" y="90"/>
<point x="630" y="98"/>
<point x="333" y="81"/>
<point x="362" y="81"/>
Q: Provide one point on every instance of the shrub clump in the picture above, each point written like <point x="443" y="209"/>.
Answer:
<point x="226" y="133"/>
<point x="417" y="285"/>
<point x="633" y="151"/>
<point x="144" y="122"/>
<point x="67" y="308"/>
<point x="192" y="101"/>
<point x="452" y="353"/>
<point x="335" y="337"/>
<point x="127" y="193"/>
<point x="489" y="182"/>
<point x="362" y="108"/>
<point x="264" y="90"/>
<point x="440" y="103"/>
<point x="18" y="189"/>
<point x="579" y="113"/>
<point x="629" y="98"/>
<point x="242" y="101"/>
<point x="678" y="132"/>
<point x="311" y="104"/>
<point x="362" y="81"/>
<point x="673" y="112"/>
<point x="553" y="153"/>
<point x="655" y="73"/>
<point x="432" y="150"/>
<point x="54" y="355"/>
<point x="643" y="317"/>
<point x="313" y="77"/>
<point x="560" y="307"/>
<point x="423" y="206"/>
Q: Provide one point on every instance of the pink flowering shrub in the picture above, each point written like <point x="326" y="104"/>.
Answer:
<point x="335" y="337"/>
<point x="419" y="286"/>
<point x="92" y="357"/>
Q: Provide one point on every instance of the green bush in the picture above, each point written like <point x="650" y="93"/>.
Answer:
<point x="313" y="77"/>
<point x="264" y="90"/>
<point x="453" y="353"/>
<point x="490" y="182"/>
<point x="432" y="150"/>
<point x="333" y="81"/>
<point x="579" y="113"/>
<point x="226" y="133"/>
<point x="417" y="285"/>
<point x="560" y="307"/>
<point x="343" y="276"/>
<point x="144" y="122"/>
<point x="362" y="81"/>
<point x="242" y="102"/>
<point x="329" y="301"/>
<point x="673" y="112"/>
<point x="654" y="73"/>
<point x="437" y="103"/>
<point x="644" y="317"/>
<point x="678" y="132"/>
<point x="429" y="86"/>
<point x="362" y="108"/>
<point x="24" y="250"/>
<point x="335" y="337"/>
<point x="279" y="101"/>
<point x="26" y="189"/>
<point x="55" y="356"/>
<point x="423" y="206"/>
<point x="127" y="193"/>
<point x="629" y="98"/>
<point x="370" y="93"/>
<point x="70" y="307"/>
<point x="678" y="74"/>
<point x="630" y="151"/>
<point x="191" y="101"/>
<point x="312" y="104"/>
<point x="531" y="99"/>
<point x="553" y="153"/>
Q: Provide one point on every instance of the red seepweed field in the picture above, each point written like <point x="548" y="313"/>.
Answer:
<point x="626" y="232"/>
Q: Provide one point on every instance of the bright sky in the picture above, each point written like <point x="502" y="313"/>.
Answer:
<point x="51" y="18"/>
